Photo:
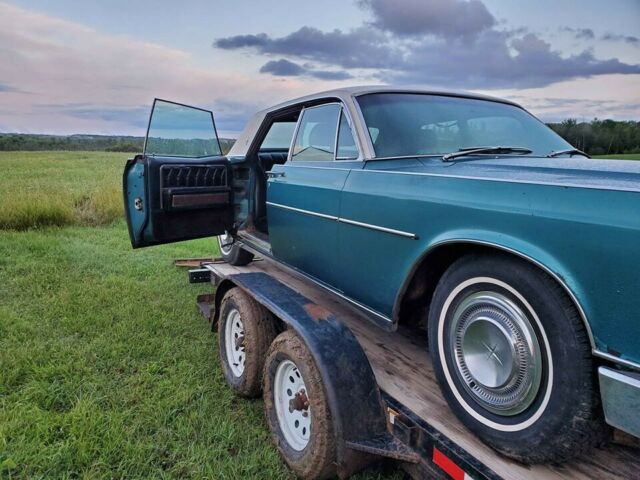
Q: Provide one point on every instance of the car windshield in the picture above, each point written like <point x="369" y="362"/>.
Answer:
<point x="405" y="124"/>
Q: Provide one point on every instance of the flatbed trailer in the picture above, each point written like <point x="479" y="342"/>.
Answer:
<point x="426" y="439"/>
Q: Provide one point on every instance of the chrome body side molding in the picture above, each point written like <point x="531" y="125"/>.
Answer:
<point x="347" y="221"/>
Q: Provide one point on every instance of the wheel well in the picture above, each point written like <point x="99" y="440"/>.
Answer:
<point x="413" y="308"/>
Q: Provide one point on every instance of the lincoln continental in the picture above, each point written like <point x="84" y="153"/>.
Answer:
<point x="455" y="213"/>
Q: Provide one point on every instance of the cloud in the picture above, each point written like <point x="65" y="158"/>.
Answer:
<point x="285" y="68"/>
<point x="105" y="83"/>
<point x="282" y="68"/>
<point x="580" y="33"/>
<point x="493" y="59"/>
<point x="136" y="116"/>
<point x="6" y="88"/>
<point x="496" y="61"/>
<point x="447" y="18"/>
<point x="358" y="48"/>
<point x="588" y="34"/>
<point x="614" y="37"/>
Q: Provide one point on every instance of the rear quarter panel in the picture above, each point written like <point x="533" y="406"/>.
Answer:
<point x="590" y="238"/>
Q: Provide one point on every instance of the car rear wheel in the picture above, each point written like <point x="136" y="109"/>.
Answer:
<point x="232" y="252"/>
<point x="513" y="359"/>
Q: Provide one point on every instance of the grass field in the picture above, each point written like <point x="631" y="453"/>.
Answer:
<point x="622" y="156"/>
<point x="106" y="369"/>
<point x="60" y="188"/>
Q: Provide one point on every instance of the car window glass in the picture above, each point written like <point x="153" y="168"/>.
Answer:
<point x="180" y="130"/>
<point x="346" y="144"/>
<point x="279" y="135"/>
<point x="373" y="131"/>
<point x="316" y="136"/>
<point x="420" y="124"/>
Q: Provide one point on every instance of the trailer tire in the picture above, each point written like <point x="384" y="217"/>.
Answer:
<point x="313" y="457"/>
<point x="232" y="252"/>
<point x="535" y="340"/>
<point x="252" y="328"/>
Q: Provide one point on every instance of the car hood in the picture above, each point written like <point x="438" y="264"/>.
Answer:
<point x="562" y="171"/>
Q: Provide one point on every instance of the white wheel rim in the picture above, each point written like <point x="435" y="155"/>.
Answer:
<point x="292" y="407"/>
<point x="234" y="342"/>
<point x="225" y="241"/>
<point x="543" y="344"/>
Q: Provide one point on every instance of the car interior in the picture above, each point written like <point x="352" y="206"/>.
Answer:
<point x="273" y="150"/>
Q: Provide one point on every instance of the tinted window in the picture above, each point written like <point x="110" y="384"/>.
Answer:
<point x="178" y="130"/>
<point x="346" y="144"/>
<point x="316" y="136"/>
<point x="418" y="124"/>
<point x="279" y="135"/>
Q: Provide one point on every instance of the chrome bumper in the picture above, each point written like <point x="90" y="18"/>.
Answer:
<point x="621" y="399"/>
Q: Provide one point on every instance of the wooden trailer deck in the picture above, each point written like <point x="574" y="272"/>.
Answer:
<point x="403" y="370"/>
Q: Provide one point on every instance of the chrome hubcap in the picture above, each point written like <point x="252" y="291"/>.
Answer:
<point x="225" y="241"/>
<point x="292" y="405"/>
<point x="234" y="342"/>
<point x="497" y="353"/>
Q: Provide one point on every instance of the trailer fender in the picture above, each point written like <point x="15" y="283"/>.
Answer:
<point x="353" y="396"/>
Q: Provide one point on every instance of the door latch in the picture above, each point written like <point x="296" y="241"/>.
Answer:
<point x="275" y="174"/>
<point x="137" y="203"/>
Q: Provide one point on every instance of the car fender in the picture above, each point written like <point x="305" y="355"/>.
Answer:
<point x="514" y="245"/>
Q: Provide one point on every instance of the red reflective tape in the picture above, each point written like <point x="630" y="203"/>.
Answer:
<point x="446" y="464"/>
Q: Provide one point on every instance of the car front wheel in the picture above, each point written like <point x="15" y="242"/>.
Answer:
<point x="513" y="359"/>
<point x="232" y="252"/>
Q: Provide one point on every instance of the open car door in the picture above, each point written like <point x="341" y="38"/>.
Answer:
<point x="180" y="187"/>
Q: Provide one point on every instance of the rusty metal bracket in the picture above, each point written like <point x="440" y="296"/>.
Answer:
<point x="205" y="304"/>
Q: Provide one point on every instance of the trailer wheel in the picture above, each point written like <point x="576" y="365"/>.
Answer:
<point x="297" y="410"/>
<point x="513" y="359"/>
<point x="245" y="331"/>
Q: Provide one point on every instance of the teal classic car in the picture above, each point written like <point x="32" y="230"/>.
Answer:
<point x="457" y="213"/>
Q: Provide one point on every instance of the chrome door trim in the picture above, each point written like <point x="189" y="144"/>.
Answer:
<point x="393" y="231"/>
<point x="306" y="212"/>
<point x="339" y="169"/>
<point x="347" y="221"/>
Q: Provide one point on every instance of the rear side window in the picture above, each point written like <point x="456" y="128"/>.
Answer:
<point x="316" y="138"/>
<point x="279" y="136"/>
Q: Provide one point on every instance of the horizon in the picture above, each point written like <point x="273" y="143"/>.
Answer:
<point x="228" y="137"/>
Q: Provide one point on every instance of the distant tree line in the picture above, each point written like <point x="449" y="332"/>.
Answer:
<point x="600" y="137"/>
<point x="597" y="137"/>
<point x="102" y="143"/>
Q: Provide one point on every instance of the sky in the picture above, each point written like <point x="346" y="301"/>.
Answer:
<point x="95" y="66"/>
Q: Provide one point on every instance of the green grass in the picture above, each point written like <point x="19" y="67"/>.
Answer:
<point x="106" y="369"/>
<point x="60" y="188"/>
<point x="621" y="156"/>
